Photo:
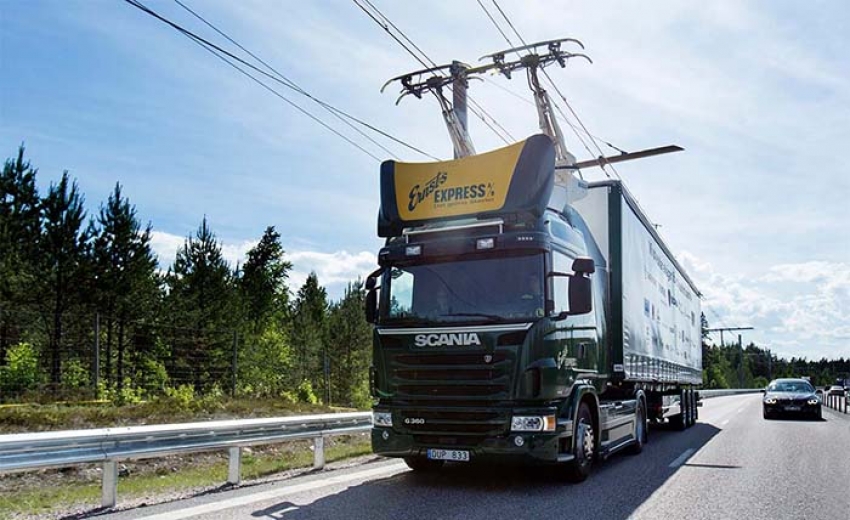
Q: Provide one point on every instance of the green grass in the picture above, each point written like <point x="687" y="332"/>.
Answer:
<point x="54" y="499"/>
<point x="70" y="416"/>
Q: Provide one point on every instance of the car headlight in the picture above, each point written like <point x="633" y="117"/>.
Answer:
<point x="770" y="400"/>
<point x="813" y="402"/>
<point x="533" y="423"/>
<point x="384" y="419"/>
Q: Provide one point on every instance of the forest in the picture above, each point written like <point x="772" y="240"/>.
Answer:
<point x="87" y="310"/>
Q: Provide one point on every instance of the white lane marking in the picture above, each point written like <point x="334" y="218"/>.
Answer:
<point x="740" y="410"/>
<point x="724" y="423"/>
<point x="277" y="493"/>
<point x="682" y="458"/>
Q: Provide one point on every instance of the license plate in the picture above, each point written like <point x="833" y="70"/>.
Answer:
<point x="792" y="408"/>
<point x="452" y="455"/>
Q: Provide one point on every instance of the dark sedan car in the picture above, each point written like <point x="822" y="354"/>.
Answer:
<point x="791" y="396"/>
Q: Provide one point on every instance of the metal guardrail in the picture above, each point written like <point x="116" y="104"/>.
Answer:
<point x="30" y="451"/>
<point x="839" y="403"/>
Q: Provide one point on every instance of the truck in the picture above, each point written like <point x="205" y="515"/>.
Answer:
<point x="522" y="314"/>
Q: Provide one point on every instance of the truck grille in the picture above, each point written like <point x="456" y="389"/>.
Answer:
<point x="452" y="397"/>
<point x="458" y="422"/>
<point x="480" y="376"/>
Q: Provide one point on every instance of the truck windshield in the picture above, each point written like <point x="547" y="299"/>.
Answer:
<point x="471" y="290"/>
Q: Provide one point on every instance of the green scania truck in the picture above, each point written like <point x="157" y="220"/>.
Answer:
<point x="521" y="314"/>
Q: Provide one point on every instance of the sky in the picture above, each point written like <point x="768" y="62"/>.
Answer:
<point x="757" y="93"/>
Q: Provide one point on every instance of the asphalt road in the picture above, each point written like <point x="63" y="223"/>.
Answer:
<point x="732" y="464"/>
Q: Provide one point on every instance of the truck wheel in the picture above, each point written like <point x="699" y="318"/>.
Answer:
<point x="584" y="440"/>
<point x="422" y="464"/>
<point x="696" y="406"/>
<point x="680" y="420"/>
<point x="641" y="431"/>
<point x="691" y="408"/>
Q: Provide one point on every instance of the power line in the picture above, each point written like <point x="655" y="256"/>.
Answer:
<point x="385" y="23"/>
<point x="283" y="80"/>
<point x="562" y="118"/>
<point x="339" y="114"/>
<point x="552" y="83"/>
<point x="498" y="27"/>
<point x="332" y="110"/>
<point x="291" y="103"/>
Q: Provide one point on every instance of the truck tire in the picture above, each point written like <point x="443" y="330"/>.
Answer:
<point x="691" y="408"/>
<point x="696" y="406"/>
<point x="423" y="465"/>
<point x="584" y="447"/>
<point x="641" y="430"/>
<point x="680" y="420"/>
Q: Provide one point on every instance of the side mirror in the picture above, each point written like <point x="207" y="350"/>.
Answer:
<point x="371" y="309"/>
<point x="764" y="390"/>
<point x="581" y="300"/>
<point x="372" y="287"/>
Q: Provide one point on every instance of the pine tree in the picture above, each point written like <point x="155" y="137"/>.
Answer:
<point x="350" y="344"/>
<point x="63" y="261"/>
<point x="309" y="333"/>
<point x="19" y="234"/>
<point x="202" y="303"/>
<point x="263" y="281"/>
<point x="126" y="273"/>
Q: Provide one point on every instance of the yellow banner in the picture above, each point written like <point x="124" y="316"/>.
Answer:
<point x="474" y="184"/>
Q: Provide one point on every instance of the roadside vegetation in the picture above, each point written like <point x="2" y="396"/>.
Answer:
<point x="50" y="494"/>
<point x="89" y="313"/>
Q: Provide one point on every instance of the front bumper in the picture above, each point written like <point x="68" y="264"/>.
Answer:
<point x="785" y="408"/>
<point x="535" y="446"/>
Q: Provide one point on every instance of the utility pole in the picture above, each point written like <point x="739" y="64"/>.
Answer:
<point x="721" y="330"/>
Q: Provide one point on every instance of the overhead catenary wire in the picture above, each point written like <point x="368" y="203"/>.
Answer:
<point x="512" y="45"/>
<point x="557" y="90"/>
<point x="339" y="114"/>
<point x="282" y="80"/>
<point x="562" y="118"/>
<point x="386" y="24"/>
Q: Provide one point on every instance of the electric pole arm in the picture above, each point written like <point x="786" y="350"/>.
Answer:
<point x="454" y="112"/>
<point x="532" y="62"/>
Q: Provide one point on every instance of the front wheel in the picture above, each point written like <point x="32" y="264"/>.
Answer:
<point x="641" y="432"/>
<point x="422" y="464"/>
<point x="584" y="446"/>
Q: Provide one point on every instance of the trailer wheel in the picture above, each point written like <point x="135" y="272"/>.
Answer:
<point x="423" y="465"/>
<point x="689" y="400"/>
<point x="641" y="431"/>
<point x="584" y="446"/>
<point x="694" y="407"/>
<point x="680" y="420"/>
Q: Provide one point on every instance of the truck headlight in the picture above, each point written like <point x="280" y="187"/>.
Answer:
<point x="533" y="423"/>
<point x="384" y="419"/>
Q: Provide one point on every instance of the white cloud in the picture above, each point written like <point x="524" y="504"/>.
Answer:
<point x="165" y="245"/>
<point x="798" y="309"/>
<point x="334" y="270"/>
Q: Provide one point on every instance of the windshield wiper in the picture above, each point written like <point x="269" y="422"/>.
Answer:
<point x="493" y="317"/>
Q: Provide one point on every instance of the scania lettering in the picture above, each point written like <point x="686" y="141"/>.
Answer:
<point x="520" y="312"/>
<point x="437" y="340"/>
